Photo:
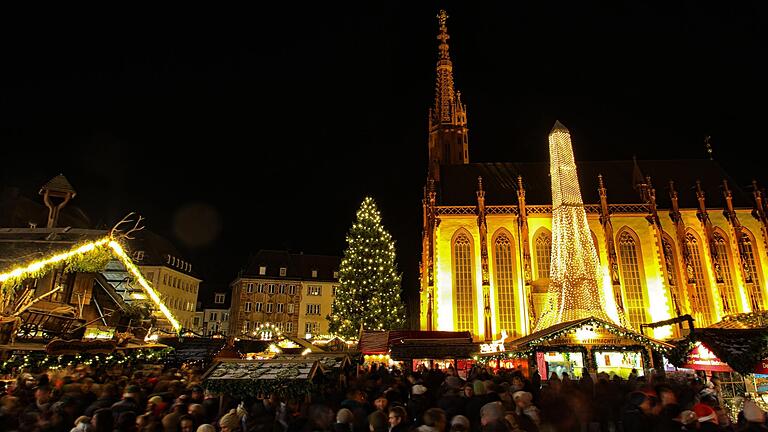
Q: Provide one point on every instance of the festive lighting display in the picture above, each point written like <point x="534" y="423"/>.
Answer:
<point x="575" y="290"/>
<point x="369" y="291"/>
<point x="40" y="267"/>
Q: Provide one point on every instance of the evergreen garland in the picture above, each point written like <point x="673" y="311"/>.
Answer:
<point x="369" y="291"/>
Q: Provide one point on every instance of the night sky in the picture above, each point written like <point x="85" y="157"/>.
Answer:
<point x="234" y="130"/>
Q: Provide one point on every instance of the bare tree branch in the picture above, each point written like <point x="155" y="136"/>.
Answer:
<point x="120" y="231"/>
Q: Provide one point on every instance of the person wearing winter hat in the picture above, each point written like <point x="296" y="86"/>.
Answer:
<point x="82" y="424"/>
<point x="707" y="417"/>
<point x="230" y="422"/>
<point x="525" y="409"/>
<point x="460" y="423"/>
<point x="418" y="389"/>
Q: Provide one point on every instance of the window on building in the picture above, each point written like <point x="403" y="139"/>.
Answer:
<point x="702" y="312"/>
<point x="314" y="273"/>
<point x="262" y="270"/>
<point x="505" y="286"/>
<point x="632" y="281"/>
<point x="280" y="307"/>
<point x="165" y="279"/>
<point x="212" y="316"/>
<point x="138" y="255"/>
<point x="311" y="327"/>
<point x="313" y="309"/>
<point x="543" y="254"/>
<point x="292" y="289"/>
<point x="225" y="316"/>
<point x="247" y="306"/>
<point x="151" y="276"/>
<point x="260" y="288"/>
<point x="283" y="271"/>
<point x="271" y="288"/>
<point x="258" y="306"/>
<point x="290" y="308"/>
<point x="336" y="275"/>
<point x="281" y="289"/>
<point x="289" y="327"/>
<point x="196" y="321"/>
<point x="314" y="290"/>
<point x="219" y="298"/>
<point x="463" y="287"/>
<point x="269" y="307"/>
<point x="333" y="290"/>
<point x="728" y="294"/>
<point x="754" y="289"/>
<point x="249" y="289"/>
<point x="246" y="326"/>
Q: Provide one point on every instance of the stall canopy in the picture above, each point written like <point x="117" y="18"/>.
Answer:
<point x="439" y="349"/>
<point x="328" y="361"/>
<point x="741" y="349"/>
<point x="585" y="331"/>
<point x="379" y="342"/>
<point x="241" y="378"/>
<point x="194" y="349"/>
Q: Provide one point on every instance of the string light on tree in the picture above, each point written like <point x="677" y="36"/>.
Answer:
<point x="369" y="291"/>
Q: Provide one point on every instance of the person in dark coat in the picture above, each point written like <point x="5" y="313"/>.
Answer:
<point x="451" y="401"/>
<point x="637" y="414"/>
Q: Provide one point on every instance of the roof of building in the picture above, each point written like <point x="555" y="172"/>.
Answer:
<point x="159" y="251"/>
<point x="298" y="266"/>
<point x="458" y="183"/>
<point x="20" y="246"/>
<point x="19" y="211"/>
<point x="58" y="184"/>
<point x="207" y="297"/>
<point x="379" y="342"/>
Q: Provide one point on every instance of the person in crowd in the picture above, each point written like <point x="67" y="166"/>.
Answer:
<point x="637" y="415"/>
<point x="397" y="418"/>
<point x="344" y="421"/>
<point x="433" y="420"/>
<point x="460" y="423"/>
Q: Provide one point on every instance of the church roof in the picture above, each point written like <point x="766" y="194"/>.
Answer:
<point x="459" y="182"/>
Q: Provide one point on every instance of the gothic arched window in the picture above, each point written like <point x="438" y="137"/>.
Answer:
<point x="462" y="282"/>
<point x="699" y="300"/>
<point x="754" y="289"/>
<point x="543" y="254"/>
<point x="724" y="259"/>
<point x="504" y="266"/>
<point x="673" y="275"/>
<point x="632" y="280"/>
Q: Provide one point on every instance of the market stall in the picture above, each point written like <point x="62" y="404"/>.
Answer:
<point x="260" y="378"/>
<point x="588" y="344"/>
<point x="442" y="353"/>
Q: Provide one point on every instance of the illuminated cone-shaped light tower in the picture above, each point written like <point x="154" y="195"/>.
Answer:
<point x="575" y="290"/>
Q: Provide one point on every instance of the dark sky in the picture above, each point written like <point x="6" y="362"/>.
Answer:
<point x="277" y="122"/>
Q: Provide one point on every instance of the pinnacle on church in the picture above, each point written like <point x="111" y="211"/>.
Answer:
<point x="559" y="127"/>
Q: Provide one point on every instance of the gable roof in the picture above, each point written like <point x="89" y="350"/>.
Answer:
<point x="159" y="251"/>
<point x="459" y="182"/>
<point x="298" y="266"/>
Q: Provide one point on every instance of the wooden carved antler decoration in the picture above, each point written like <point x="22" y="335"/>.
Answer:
<point x="119" y="231"/>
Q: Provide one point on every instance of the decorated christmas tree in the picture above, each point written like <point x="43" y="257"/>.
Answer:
<point x="369" y="294"/>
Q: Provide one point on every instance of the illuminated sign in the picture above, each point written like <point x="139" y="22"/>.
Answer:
<point x="701" y="358"/>
<point x="495" y="346"/>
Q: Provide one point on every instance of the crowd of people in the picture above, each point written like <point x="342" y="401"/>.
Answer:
<point x="375" y="399"/>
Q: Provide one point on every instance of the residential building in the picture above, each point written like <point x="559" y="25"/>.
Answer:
<point x="294" y="292"/>
<point x="212" y="315"/>
<point x="169" y="272"/>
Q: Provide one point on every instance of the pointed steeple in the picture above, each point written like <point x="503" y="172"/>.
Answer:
<point x="448" y="141"/>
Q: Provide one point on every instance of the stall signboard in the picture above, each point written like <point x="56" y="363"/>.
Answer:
<point x="701" y="358"/>
<point x="761" y="382"/>
<point x="762" y="367"/>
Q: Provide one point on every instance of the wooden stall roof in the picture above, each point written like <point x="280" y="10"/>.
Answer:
<point x="276" y="369"/>
<point x="378" y="342"/>
<point x="454" y="348"/>
<point x="525" y="341"/>
<point x="327" y="360"/>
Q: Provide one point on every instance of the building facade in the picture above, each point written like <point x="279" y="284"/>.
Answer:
<point x="212" y="314"/>
<point x="673" y="237"/>
<point x="171" y="275"/>
<point x="293" y="292"/>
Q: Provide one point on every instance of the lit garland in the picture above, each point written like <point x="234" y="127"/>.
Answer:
<point x="77" y="260"/>
<point x="41" y="360"/>
<point x="574" y="291"/>
<point x="598" y="324"/>
<point x="369" y="291"/>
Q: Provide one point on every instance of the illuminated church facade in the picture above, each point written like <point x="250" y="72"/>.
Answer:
<point x="673" y="237"/>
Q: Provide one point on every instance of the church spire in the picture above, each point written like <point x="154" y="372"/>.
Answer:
<point x="448" y="117"/>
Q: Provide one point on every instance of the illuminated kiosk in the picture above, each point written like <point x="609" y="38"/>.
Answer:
<point x="582" y="325"/>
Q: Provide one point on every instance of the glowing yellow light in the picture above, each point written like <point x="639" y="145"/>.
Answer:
<point x="143" y="282"/>
<point x="274" y="349"/>
<point x="39" y="265"/>
<point x="306" y="351"/>
<point x="138" y="296"/>
<point x="575" y="289"/>
<point x="585" y="333"/>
